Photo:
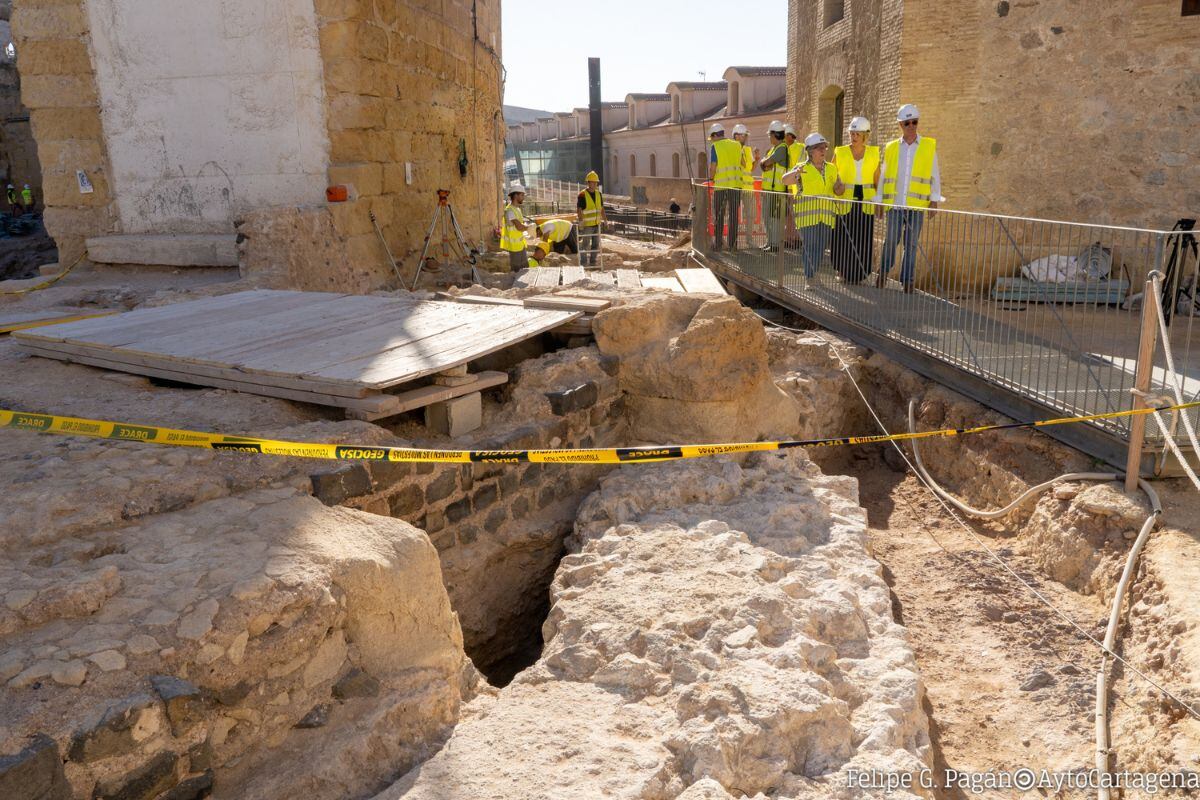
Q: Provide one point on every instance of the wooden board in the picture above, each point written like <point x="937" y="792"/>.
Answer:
<point x="525" y="277"/>
<point x="572" y="275"/>
<point x="699" y="280"/>
<point x="21" y="320"/>
<point x="428" y="395"/>
<point x="606" y="278"/>
<point x="338" y="345"/>
<point x="566" y="302"/>
<point x="659" y="282"/>
<point x="628" y="279"/>
<point x="547" y="276"/>
<point x="481" y="299"/>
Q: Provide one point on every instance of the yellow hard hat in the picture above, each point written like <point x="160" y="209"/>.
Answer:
<point x="592" y="176"/>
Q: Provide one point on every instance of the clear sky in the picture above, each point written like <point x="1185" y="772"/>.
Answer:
<point x="642" y="45"/>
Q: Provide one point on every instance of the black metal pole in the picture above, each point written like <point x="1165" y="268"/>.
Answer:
<point x="597" y="132"/>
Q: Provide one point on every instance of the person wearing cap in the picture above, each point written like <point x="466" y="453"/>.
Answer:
<point x="559" y="236"/>
<point x="725" y="159"/>
<point x="512" y="236"/>
<point x="817" y="182"/>
<point x="853" y="236"/>
<point x="589" y="213"/>
<point x="774" y="165"/>
<point x="910" y="187"/>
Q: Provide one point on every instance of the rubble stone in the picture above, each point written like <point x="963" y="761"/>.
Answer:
<point x="35" y="773"/>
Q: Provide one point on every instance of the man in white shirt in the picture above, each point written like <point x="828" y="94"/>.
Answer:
<point x="910" y="185"/>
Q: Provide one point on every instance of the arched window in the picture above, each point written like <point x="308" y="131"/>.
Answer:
<point x="674" y="165"/>
<point x="653" y="166"/>
<point x="829" y="114"/>
<point x="702" y="166"/>
<point x="632" y="164"/>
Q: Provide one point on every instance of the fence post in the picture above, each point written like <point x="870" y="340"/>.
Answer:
<point x="1141" y="385"/>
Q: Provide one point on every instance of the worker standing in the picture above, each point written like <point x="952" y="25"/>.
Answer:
<point x="774" y="165"/>
<point x="589" y="211"/>
<point x="817" y="182"/>
<point x="740" y="135"/>
<point x="725" y="156"/>
<point x="27" y="198"/>
<point x="13" y="204"/>
<point x="512" y="236"/>
<point x="853" y="237"/>
<point x="795" y="149"/>
<point x="910" y="186"/>
<point x="559" y="236"/>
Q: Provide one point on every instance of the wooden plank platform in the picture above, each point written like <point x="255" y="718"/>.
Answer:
<point x="700" y="280"/>
<point x="20" y="320"/>
<point x="659" y="282"/>
<point x="340" y="350"/>
<point x="628" y="279"/>
<point x="572" y="275"/>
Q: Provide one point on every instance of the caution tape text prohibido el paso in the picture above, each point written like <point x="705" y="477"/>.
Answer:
<point x="152" y="434"/>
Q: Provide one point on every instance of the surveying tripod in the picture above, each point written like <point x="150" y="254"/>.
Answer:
<point x="444" y="219"/>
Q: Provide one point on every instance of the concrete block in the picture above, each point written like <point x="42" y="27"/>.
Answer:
<point x="457" y="416"/>
<point x="194" y="250"/>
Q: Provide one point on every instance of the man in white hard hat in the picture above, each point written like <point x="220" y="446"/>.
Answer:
<point x="774" y="165"/>
<point x="910" y="187"/>
<point x="512" y="234"/>
<point x="817" y="182"/>
<point x="725" y="167"/>
<point x="741" y="135"/>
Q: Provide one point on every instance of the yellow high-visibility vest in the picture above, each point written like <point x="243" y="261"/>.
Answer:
<point x="747" y="167"/>
<point x="814" y="203"/>
<point x="772" y="177"/>
<point x="592" y="203"/>
<point x="845" y="167"/>
<point x="512" y="239"/>
<point x="920" y="182"/>
<point x="795" y="156"/>
<point x="728" y="174"/>
<point x="556" y="230"/>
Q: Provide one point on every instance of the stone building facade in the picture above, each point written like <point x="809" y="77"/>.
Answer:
<point x="1054" y="109"/>
<point x="159" y="125"/>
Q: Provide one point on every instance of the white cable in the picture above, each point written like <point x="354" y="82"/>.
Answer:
<point x="1028" y="586"/>
<point x="1170" y="440"/>
<point x="1172" y="375"/>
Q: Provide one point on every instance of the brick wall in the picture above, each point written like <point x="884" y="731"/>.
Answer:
<point x="58" y="86"/>
<point x="405" y="81"/>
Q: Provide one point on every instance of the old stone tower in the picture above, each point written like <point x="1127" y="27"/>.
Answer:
<point x="1061" y="109"/>
<point x="222" y="112"/>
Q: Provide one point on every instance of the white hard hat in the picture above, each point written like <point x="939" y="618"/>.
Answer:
<point x="907" y="111"/>
<point x="514" y="187"/>
<point x="814" y="139"/>
<point x="789" y="129"/>
<point x="740" y="129"/>
<point x="775" y="127"/>
<point x="860" y="125"/>
<point x="716" y="128"/>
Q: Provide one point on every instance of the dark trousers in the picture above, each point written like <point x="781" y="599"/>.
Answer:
<point x="590" y="247"/>
<point x="569" y="245"/>
<point x="853" y="244"/>
<point x="727" y="201"/>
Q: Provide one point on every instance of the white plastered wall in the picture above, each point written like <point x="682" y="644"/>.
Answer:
<point x="210" y="108"/>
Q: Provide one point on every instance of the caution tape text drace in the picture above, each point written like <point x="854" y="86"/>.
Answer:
<point x="150" y="434"/>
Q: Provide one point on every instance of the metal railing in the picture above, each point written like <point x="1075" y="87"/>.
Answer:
<point x="645" y="223"/>
<point x="1042" y="310"/>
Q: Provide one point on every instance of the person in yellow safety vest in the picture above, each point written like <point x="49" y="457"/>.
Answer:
<point x="539" y="254"/>
<point x="774" y="165"/>
<point x="559" y="236"/>
<point x="817" y="183"/>
<point x="910" y="187"/>
<point x="589" y="213"/>
<point x="27" y="198"/>
<point x="795" y="149"/>
<point x="725" y="160"/>
<point x="740" y="135"/>
<point x="853" y="237"/>
<point x="512" y="234"/>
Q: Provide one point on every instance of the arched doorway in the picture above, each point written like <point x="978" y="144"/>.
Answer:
<point x="829" y="114"/>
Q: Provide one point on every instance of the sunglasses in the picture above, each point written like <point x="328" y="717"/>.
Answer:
<point x="909" y="123"/>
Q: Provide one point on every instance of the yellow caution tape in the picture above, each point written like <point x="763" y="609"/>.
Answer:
<point x="40" y="323"/>
<point x="151" y="434"/>
<point x="53" y="279"/>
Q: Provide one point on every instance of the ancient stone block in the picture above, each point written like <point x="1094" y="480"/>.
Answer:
<point x="407" y="501"/>
<point x="120" y="730"/>
<point x="367" y="179"/>
<point x="385" y="474"/>
<point x="520" y="506"/>
<point x="35" y="773"/>
<point x="55" y="57"/>
<point x="196" y="787"/>
<point x="509" y="482"/>
<point x="355" y="683"/>
<point x="47" y="22"/>
<point x="318" y="717"/>
<point x="58" y="91"/>
<point x="442" y="487"/>
<point x="144" y="783"/>
<point x="485" y="495"/>
<point x="495" y="519"/>
<point x="468" y="534"/>
<point x="456" y="416"/>
<point x="458" y="510"/>
<point x="340" y="484"/>
<point x="466" y="477"/>
<point x="183" y="701"/>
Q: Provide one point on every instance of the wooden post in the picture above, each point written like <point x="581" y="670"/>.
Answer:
<point x="1141" y="383"/>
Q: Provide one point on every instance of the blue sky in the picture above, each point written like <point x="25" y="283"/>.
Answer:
<point x="642" y="45"/>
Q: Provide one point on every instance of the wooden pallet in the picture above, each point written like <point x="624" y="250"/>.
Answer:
<point x="699" y="280"/>
<point x="330" y="349"/>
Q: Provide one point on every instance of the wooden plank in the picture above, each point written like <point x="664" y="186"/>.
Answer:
<point x="628" y="279"/>
<point x="427" y="395"/>
<point x="658" y="282"/>
<point x="479" y="299"/>
<point x="572" y="275"/>
<point x="378" y="403"/>
<point x="606" y="278"/>
<point x="566" y="302"/>
<point x="526" y="277"/>
<point x="38" y="319"/>
<point x="699" y="280"/>
<point x="547" y="276"/>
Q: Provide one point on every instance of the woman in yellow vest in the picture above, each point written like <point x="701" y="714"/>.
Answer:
<point x="512" y="234"/>
<point x="853" y="237"/>
<point x="817" y="183"/>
